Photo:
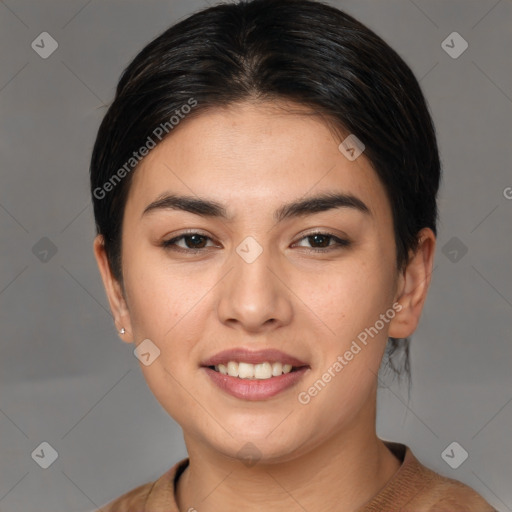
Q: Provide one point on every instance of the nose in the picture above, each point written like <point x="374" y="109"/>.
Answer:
<point x="254" y="296"/>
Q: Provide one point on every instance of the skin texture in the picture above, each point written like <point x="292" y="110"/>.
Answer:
<point x="253" y="158"/>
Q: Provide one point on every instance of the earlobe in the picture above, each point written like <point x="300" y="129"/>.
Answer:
<point x="114" y="292"/>
<point x="413" y="286"/>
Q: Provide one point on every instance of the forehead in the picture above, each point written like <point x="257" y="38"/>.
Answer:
<point x="251" y="154"/>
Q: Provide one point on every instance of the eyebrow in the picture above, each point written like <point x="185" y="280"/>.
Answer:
<point x="298" y="208"/>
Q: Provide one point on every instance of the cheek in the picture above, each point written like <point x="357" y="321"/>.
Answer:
<point x="347" y="298"/>
<point x="349" y="302"/>
<point x="168" y="306"/>
<point x="150" y="303"/>
<point x="158" y="296"/>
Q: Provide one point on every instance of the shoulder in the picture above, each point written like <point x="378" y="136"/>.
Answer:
<point x="156" y="496"/>
<point x="443" y="494"/>
<point x="416" y="488"/>
<point x="131" y="501"/>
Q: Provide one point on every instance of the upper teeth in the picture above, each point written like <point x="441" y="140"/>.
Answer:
<point x="253" y="371"/>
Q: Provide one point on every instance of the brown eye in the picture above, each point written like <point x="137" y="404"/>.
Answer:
<point x="187" y="242"/>
<point x="321" y="242"/>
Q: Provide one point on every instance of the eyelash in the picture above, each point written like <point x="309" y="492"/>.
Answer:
<point x="339" y="242"/>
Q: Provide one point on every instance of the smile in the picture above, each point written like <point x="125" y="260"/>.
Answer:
<point x="260" y="371"/>
<point x="254" y="375"/>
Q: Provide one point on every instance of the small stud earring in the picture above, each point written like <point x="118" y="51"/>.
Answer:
<point x="122" y="330"/>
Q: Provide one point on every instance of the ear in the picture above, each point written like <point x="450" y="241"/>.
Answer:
<point x="413" y="286"/>
<point x="114" y="291"/>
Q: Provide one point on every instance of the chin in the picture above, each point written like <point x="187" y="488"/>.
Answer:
<point x="252" y="450"/>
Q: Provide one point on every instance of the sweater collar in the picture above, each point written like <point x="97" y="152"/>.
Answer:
<point x="404" y="484"/>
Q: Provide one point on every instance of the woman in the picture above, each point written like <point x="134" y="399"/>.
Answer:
<point x="264" y="189"/>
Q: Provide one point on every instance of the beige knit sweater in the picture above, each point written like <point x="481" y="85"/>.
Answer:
<point x="413" y="488"/>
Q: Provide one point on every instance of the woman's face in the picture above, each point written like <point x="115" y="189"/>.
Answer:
<point x="255" y="279"/>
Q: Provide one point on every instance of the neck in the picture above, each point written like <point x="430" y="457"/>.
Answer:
<point x="342" y="474"/>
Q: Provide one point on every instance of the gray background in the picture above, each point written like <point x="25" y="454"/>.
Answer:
<point x="68" y="380"/>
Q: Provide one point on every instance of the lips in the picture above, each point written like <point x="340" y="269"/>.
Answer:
<point x="244" y="373"/>
<point x="254" y="389"/>
<point x="242" y="355"/>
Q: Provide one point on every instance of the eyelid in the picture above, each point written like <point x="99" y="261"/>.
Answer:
<point x="188" y="232"/>
<point x="340" y="240"/>
<point x="323" y="231"/>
